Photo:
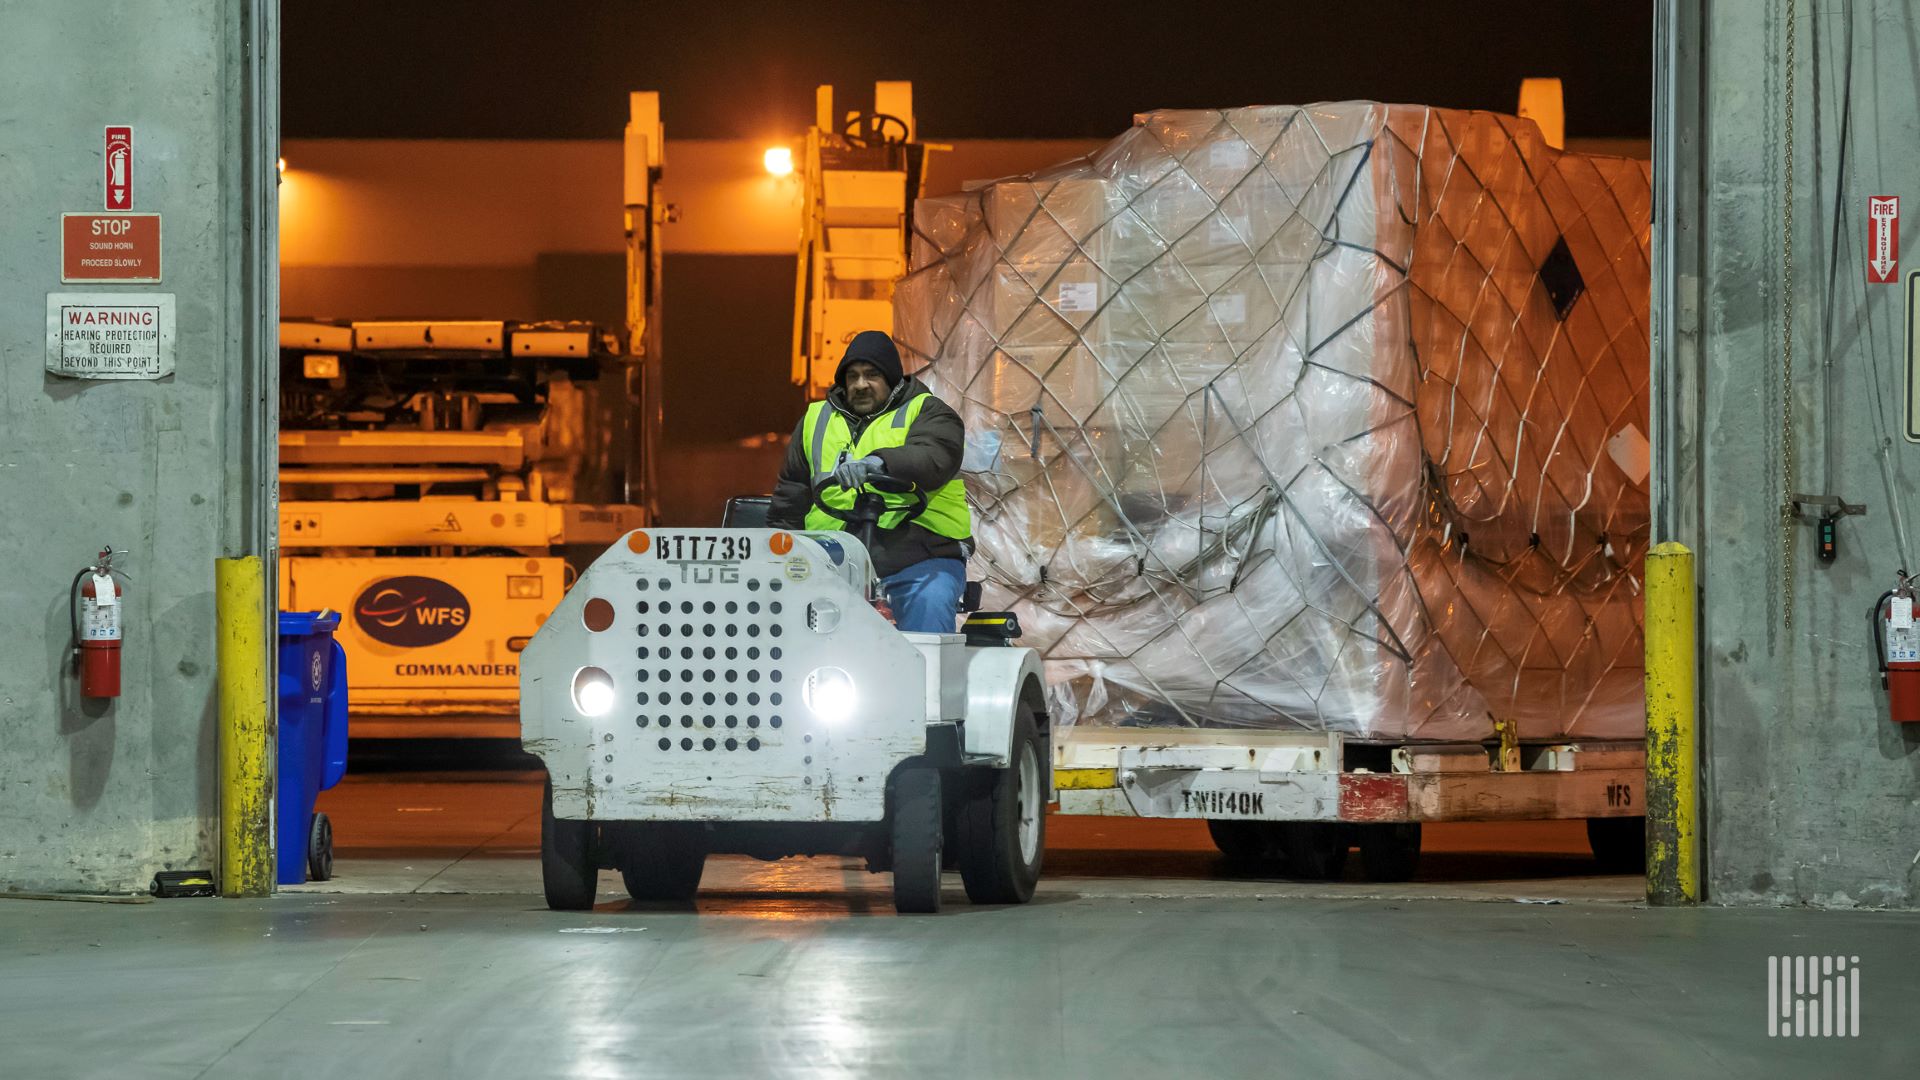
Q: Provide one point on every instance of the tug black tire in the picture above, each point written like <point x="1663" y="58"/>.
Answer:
<point x="916" y="841"/>
<point x="1002" y="827"/>
<point x="659" y="860"/>
<point x="568" y="872"/>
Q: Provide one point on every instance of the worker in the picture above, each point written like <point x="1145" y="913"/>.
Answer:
<point x="876" y="419"/>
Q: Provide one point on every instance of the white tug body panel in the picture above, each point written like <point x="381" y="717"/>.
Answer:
<point x="712" y="638"/>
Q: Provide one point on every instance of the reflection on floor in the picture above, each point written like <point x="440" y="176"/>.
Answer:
<point x="1141" y="957"/>
<point x="479" y="832"/>
<point x="793" y="985"/>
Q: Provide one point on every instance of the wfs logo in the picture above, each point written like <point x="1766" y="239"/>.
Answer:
<point x="1813" y="995"/>
<point x="411" y="611"/>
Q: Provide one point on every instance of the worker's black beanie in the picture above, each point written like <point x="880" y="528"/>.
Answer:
<point x="876" y="348"/>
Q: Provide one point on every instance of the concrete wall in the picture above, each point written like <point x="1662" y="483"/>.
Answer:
<point x="1811" y="794"/>
<point x="97" y="795"/>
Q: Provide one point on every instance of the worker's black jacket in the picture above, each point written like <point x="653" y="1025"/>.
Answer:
<point x="929" y="458"/>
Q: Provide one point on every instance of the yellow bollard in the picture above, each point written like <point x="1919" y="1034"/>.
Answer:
<point x="246" y="842"/>
<point x="1673" y="835"/>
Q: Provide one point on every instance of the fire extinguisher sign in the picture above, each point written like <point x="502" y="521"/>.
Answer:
<point x="119" y="167"/>
<point x="1883" y="239"/>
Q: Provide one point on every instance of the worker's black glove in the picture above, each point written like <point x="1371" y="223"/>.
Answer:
<point x="852" y="473"/>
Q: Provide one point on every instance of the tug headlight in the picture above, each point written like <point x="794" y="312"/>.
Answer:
<point x="830" y="694"/>
<point x="592" y="691"/>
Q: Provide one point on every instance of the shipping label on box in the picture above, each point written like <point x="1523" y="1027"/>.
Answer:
<point x="1079" y="296"/>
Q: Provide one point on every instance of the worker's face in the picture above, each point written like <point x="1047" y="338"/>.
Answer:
<point x="866" y="388"/>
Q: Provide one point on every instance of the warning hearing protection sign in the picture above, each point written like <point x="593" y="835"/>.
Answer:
<point x="123" y="335"/>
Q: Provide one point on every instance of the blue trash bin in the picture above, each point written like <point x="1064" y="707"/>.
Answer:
<point x="312" y="741"/>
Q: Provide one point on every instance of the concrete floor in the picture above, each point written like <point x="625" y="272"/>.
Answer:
<point x="1143" y="956"/>
<point x="496" y="986"/>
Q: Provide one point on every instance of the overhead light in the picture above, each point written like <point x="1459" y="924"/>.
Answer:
<point x="778" y="160"/>
<point x="280" y="165"/>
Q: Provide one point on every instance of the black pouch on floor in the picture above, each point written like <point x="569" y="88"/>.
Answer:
<point x="168" y="883"/>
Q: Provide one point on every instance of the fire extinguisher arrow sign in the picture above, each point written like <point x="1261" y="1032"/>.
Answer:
<point x="1883" y="239"/>
<point x="119" y="171"/>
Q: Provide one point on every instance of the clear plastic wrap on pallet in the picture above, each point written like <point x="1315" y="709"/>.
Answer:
<point x="1325" y="418"/>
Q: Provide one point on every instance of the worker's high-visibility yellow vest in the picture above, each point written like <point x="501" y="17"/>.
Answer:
<point x="828" y="433"/>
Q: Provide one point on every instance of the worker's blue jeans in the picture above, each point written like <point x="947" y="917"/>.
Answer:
<point x="925" y="597"/>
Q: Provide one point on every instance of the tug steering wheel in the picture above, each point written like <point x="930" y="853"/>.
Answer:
<point x="868" y="506"/>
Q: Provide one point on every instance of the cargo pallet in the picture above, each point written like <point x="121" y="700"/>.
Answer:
<point x="1302" y="798"/>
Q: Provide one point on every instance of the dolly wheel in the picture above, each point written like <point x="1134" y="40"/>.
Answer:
<point x="916" y="841"/>
<point x="1390" y="851"/>
<point x="1620" y="843"/>
<point x="1002" y="826"/>
<point x="1315" y="850"/>
<point x="320" y="849"/>
<point x="568" y="872"/>
<point x="1242" y="841"/>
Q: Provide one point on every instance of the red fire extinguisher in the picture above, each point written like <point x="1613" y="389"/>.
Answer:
<point x="95" y="603"/>
<point x="1897" y="640"/>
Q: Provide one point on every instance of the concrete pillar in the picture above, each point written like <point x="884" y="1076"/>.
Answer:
<point x="96" y="795"/>
<point x="1811" y="795"/>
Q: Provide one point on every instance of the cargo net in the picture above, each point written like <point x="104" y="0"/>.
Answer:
<point x="1326" y="418"/>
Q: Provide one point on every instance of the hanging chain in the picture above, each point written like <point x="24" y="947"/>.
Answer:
<point x="1788" y="517"/>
